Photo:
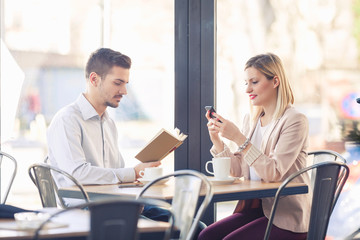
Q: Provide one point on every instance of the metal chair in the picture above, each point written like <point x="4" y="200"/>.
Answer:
<point x="115" y="219"/>
<point x="46" y="159"/>
<point x="40" y="174"/>
<point x="188" y="185"/>
<point x="323" y="156"/>
<point x="6" y="156"/>
<point x="326" y="155"/>
<point x="330" y="177"/>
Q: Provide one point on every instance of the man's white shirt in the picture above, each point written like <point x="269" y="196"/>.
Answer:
<point x="85" y="145"/>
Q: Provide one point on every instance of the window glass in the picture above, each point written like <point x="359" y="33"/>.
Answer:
<point x="318" y="42"/>
<point x="45" y="46"/>
<point x="306" y="36"/>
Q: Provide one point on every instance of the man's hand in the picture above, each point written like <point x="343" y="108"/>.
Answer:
<point x="142" y="166"/>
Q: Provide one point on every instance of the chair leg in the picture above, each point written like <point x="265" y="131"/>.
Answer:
<point x="201" y="226"/>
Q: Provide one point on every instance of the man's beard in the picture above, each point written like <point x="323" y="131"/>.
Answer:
<point x="113" y="105"/>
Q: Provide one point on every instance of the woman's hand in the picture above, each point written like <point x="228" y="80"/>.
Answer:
<point x="214" y="134"/>
<point x="213" y="131"/>
<point x="226" y="129"/>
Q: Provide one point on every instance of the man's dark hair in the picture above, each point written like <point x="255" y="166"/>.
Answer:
<point x="103" y="59"/>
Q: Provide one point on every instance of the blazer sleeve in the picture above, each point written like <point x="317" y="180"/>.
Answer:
<point x="287" y="148"/>
<point x="238" y="166"/>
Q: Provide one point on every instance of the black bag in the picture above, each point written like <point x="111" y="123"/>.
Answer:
<point x="8" y="211"/>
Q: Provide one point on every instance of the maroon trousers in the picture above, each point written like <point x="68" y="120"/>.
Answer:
<point x="249" y="224"/>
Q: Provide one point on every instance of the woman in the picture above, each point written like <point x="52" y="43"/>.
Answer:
<point x="271" y="146"/>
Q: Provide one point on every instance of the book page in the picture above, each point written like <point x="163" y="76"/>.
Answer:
<point x="180" y="136"/>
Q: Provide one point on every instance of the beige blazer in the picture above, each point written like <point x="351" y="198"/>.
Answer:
<point x="283" y="152"/>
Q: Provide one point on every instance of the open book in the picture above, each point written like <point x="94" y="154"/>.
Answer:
<point x="161" y="145"/>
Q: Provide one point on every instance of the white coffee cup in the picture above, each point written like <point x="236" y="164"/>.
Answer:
<point x="151" y="173"/>
<point x="221" y="166"/>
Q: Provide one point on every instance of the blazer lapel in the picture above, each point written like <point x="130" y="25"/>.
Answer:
<point x="269" y="131"/>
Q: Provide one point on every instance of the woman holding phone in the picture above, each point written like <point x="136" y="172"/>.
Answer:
<point x="271" y="146"/>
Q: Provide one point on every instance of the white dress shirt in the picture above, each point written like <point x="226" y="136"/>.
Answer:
<point x="84" y="144"/>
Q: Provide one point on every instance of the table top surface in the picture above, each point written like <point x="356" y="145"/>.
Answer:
<point x="72" y="223"/>
<point x="166" y="190"/>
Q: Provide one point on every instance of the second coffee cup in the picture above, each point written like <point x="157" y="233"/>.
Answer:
<point x="151" y="173"/>
<point x="221" y="166"/>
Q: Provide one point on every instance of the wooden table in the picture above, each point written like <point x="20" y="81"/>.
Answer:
<point x="76" y="225"/>
<point x="228" y="192"/>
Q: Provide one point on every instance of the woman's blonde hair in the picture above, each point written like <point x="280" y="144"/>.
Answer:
<point x="271" y="66"/>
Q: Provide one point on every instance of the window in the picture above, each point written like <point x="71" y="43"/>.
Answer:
<point x="49" y="43"/>
<point x="306" y="36"/>
<point x="318" y="42"/>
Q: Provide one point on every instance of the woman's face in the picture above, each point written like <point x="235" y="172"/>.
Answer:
<point x="262" y="92"/>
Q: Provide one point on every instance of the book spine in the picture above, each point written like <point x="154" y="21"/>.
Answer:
<point x="172" y="149"/>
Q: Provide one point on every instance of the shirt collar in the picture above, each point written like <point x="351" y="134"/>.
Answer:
<point x="87" y="110"/>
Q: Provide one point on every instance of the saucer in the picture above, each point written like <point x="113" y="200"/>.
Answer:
<point x="146" y="181"/>
<point x="216" y="181"/>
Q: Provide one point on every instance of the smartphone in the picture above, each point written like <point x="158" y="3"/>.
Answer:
<point x="126" y="185"/>
<point x="212" y="110"/>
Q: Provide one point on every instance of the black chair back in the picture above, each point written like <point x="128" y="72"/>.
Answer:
<point x="325" y="195"/>
<point x="113" y="221"/>
<point x="330" y="177"/>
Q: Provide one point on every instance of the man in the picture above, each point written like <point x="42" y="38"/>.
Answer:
<point x="82" y="138"/>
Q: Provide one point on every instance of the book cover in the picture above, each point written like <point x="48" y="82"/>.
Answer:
<point x="161" y="145"/>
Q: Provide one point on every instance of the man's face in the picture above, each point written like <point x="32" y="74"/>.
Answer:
<point x="113" y="86"/>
